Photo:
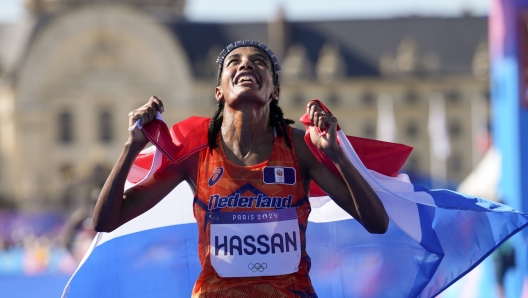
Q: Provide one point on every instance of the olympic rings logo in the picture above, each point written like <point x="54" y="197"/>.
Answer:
<point x="257" y="267"/>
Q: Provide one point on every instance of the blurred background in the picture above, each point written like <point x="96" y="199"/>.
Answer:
<point x="407" y="71"/>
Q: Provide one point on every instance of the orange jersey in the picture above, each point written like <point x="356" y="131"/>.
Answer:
<point x="274" y="184"/>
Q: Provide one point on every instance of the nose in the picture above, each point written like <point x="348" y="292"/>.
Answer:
<point x="246" y="64"/>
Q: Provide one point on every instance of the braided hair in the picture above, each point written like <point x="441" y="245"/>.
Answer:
<point x="277" y="120"/>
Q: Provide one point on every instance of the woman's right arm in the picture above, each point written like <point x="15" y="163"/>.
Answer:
<point x="114" y="206"/>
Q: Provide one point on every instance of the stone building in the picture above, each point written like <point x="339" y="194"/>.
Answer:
<point x="71" y="72"/>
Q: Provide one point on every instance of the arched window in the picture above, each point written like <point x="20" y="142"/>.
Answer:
<point x="106" y="133"/>
<point x="65" y="127"/>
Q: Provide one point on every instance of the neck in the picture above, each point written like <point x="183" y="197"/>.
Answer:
<point x="247" y="133"/>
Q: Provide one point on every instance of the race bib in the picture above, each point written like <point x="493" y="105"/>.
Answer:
<point x="260" y="243"/>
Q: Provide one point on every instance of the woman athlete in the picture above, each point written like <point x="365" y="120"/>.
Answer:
<point x="251" y="185"/>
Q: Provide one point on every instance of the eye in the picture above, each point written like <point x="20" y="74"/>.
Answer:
<point x="232" y="61"/>
<point x="261" y="61"/>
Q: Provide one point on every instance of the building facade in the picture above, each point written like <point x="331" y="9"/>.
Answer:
<point x="71" y="73"/>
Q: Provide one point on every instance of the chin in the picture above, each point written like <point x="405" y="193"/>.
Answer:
<point x="244" y="99"/>
<point x="251" y="95"/>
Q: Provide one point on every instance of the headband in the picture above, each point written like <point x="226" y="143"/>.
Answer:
<point x="249" y="43"/>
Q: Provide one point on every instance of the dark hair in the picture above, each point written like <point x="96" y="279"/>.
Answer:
<point x="277" y="120"/>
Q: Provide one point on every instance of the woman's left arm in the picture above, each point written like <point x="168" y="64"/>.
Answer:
<point x="351" y="191"/>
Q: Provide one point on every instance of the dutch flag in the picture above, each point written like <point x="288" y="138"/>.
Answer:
<point x="434" y="237"/>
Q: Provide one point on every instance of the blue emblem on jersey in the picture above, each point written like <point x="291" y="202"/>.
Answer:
<point x="217" y="174"/>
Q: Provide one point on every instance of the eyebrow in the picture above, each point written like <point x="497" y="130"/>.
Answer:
<point x="237" y="56"/>
<point x="232" y="56"/>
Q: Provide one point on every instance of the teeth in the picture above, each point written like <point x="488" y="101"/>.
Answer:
<point x="246" y="79"/>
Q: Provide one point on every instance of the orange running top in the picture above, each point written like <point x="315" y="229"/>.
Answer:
<point x="218" y="177"/>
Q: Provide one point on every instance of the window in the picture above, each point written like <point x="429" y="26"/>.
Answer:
<point x="411" y="98"/>
<point x="453" y="97"/>
<point x="298" y="100"/>
<point x="411" y="130"/>
<point x="106" y="134"/>
<point x="456" y="163"/>
<point x="369" y="131"/>
<point x="65" y="127"/>
<point x="368" y="99"/>
<point x="455" y="129"/>
<point x="333" y="99"/>
<point x="67" y="172"/>
<point x="412" y="164"/>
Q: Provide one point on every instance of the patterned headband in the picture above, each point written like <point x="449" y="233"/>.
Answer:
<point x="248" y="43"/>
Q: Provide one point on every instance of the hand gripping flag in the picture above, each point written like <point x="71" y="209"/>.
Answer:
<point x="434" y="236"/>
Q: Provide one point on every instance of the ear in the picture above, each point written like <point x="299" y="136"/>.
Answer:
<point x="275" y="93"/>
<point x="218" y="94"/>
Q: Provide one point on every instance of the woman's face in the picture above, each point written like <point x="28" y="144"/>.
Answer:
<point x="247" y="76"/>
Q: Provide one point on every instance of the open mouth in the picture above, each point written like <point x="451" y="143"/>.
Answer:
<point x="246" y="78"/>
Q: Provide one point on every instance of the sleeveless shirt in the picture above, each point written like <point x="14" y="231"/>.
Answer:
<point x="219" y="177"/>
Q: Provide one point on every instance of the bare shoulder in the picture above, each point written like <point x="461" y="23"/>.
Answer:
<point x="305" y="156"/>
<point x="298" y="140"/>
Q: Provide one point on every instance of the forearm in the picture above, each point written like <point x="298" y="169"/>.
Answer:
<point x="362" y="199"/>
<point x="352" y="193"/>
<point x="108" y="208"/>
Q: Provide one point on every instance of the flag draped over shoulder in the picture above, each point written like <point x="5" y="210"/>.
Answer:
<point x="434" y="236"/>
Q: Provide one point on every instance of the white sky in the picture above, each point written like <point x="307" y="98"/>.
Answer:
<point x="244" y="10"/>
